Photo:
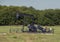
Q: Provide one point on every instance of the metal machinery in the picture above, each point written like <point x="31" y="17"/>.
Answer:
<point x="23" y="15"/>
<point x="31" y="27"/>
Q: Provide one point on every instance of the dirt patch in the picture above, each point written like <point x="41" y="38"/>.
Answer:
<point x="47" y="34"/>
<point x="3" y="33"/>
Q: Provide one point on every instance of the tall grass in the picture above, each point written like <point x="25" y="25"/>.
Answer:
<point x="28" y="37"/>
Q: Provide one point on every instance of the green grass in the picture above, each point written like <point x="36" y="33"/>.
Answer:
<point x="28" y="37"/>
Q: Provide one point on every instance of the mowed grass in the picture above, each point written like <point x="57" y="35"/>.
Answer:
<point x="5" y="36"/>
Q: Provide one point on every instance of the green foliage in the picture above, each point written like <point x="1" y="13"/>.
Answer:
<point x="44" y="17"/>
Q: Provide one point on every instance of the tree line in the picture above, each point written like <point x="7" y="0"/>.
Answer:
<point x="43" y="17"/>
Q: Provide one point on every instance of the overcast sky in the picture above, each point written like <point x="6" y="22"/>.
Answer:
<point x="38" y="4"/>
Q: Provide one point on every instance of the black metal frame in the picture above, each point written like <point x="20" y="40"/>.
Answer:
<point x="33" y="19"/>
<point x="25" y="15"/>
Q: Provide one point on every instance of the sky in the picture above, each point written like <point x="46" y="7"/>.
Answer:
<point x="37" y="4"/>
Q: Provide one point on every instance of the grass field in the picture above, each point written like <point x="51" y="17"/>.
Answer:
<point x="5" y="36"/>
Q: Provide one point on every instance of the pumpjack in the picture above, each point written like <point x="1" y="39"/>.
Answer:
<point x="31" y="27"/>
